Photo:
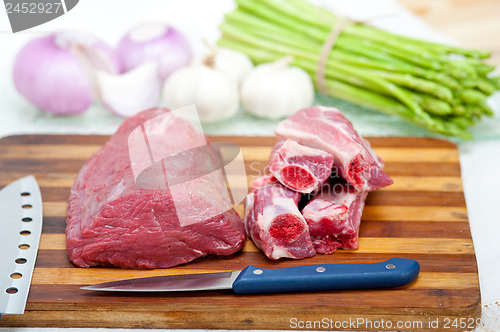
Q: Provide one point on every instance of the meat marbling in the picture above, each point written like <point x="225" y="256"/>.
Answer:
<point x="334" y="216"/>
<point x="299" y="167"/>
<point x="274" y="221"/>
<point x="118" y="217"/>
<point x="327" y="129"/>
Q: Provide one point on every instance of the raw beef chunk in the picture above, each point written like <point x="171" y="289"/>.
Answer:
<point x="328" y="130"/>
<point x="298" y="167"/>
<point x="134" y="206"/>
<point x="275" y="223"/>
<point x="334" y="216"/>
<point x="262" y="181"/>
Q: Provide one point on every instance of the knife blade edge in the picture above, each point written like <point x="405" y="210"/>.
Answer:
<point x="170" y="283"/>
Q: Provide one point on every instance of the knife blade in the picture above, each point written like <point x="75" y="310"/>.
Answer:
<point x="394" y="272"/>
<point x="21" y="217"/>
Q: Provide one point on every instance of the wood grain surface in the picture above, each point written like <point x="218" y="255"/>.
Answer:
<point x="472" y="23"/>
<point x="422" y="216"/>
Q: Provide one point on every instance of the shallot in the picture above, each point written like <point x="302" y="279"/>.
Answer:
<point x="155" y="42"/>
<point x="54" y="72"/>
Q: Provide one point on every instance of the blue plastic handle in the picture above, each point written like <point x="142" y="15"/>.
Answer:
<point x="394" y="272"/>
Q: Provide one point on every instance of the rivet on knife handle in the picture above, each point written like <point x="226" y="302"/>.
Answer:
<point x="392" y="273"/>
<point x="252" y="280"/>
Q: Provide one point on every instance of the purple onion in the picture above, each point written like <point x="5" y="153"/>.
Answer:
<point x="155" y="42"/>
<point x="48" y="72"/>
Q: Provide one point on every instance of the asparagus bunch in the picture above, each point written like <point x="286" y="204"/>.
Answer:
<point x="439" y="87"/>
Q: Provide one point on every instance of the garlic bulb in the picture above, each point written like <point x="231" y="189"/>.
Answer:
<point x="233" y="63"/>
<point x="214" y="94"/>
<point x="276" y="90"/>
<point x="230" y="62"/>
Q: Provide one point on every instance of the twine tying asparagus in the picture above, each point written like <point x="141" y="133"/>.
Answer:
<point x="330" y="41"/>
<point x="326" y="48"/>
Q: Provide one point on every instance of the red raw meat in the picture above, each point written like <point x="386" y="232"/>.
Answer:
<point x="299" y="167"/>
<point x="327" y="129"/>
<point x="153" y="211"/>
<point x="262" y="181"/>
<point x="334" y="216"/>
<point x="275" y="223"/>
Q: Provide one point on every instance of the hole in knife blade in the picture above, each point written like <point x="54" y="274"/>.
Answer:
<point x="25" y="232"/>
<point x="27" y="206"/>
<point x="11" y="290"/>
<point x="24" y="246"/>
<point x="21" y="260"/>
<point x="27" y="219"/>
<point x="25" y="194"/>
<point x="16" y="275"/>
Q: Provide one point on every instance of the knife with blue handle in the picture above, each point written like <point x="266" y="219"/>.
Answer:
<point x="394" y="272"/>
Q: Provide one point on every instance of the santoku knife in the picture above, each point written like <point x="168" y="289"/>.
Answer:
<point x="394" y="272"/>
<point x="21" y="218"/>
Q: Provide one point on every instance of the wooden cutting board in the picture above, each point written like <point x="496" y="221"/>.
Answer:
<point x="421" y="216"/>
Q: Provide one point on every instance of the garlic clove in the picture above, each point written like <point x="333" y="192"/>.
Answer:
<point x="127" y="94"/>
